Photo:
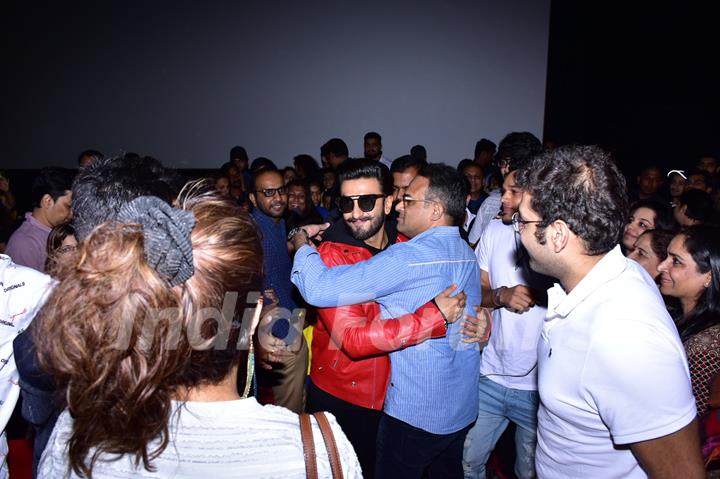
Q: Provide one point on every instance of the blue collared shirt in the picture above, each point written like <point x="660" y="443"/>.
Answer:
<point x="276" y="260"/>
<point x="434" y="385"/>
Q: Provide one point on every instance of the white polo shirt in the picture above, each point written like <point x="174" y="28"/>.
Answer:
<point x="611" y="371"/>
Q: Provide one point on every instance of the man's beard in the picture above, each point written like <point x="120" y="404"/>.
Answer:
<point x="375" y="225"/>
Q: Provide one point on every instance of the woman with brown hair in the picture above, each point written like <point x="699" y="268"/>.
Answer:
<point x="147" y="334"/>
<point x="61" y="241"/>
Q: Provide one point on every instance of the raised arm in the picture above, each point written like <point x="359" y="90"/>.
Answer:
<point x="348" y="284"/>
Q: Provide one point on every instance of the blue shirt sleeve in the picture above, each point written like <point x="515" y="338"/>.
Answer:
<point x="344" y="285"/>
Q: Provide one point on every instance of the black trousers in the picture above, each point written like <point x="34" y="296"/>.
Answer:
<point x="359" y="424"/>
<point x="404" y="451"/>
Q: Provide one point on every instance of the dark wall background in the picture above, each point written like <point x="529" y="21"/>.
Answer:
<point x="638" y="78"/>
<point x="184" y="81"/>
<point x="641" y="81"/>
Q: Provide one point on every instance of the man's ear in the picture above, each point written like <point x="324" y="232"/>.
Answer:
<point x="558" y="234"/>
<point x="46" y="201"/>
<point x="253" y="200"/>
<point x="438" y="211"/>
<point x="388" y="205"/>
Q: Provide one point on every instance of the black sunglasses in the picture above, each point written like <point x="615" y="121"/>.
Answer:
<point x="365" y="202"/>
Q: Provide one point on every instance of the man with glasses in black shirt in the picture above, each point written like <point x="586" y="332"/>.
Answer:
<point x="287" y="355"/>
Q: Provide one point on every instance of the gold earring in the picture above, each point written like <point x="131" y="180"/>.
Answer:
<point x="249" y="371"/>
<point x="250" y="366"/>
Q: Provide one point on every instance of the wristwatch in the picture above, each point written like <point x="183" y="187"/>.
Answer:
<point x="295" y="231"/>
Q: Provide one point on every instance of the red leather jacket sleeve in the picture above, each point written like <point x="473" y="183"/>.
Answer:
<point x="359" y="332"/>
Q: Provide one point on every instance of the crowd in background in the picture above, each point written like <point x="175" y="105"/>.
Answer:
<point x="367" y="340"/>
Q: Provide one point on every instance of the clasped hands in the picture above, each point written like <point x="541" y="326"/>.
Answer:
<point x="476" y="328"/>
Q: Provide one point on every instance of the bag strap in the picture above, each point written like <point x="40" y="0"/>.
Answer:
<point x="330" y="445"/>
<point x="308" y="446"/>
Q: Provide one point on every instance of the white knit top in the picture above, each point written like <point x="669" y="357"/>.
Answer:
<point x="213" y="440"/>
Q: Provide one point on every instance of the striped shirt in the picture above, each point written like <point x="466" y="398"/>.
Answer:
<point x="434" y="385"/>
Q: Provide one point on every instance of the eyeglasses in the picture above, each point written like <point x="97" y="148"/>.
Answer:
<point x="519" y="223"/>
<point x="365" y="202"/>
<point x="270" y="192"/>
<point x="409" y="199"/>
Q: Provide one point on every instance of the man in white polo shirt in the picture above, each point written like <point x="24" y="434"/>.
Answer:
<point x="615" y="395"/>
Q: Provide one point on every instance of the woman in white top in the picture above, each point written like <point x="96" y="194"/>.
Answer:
<point x="148" y="350"/>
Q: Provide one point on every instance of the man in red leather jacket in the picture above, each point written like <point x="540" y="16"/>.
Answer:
<point x="350" y="366"/>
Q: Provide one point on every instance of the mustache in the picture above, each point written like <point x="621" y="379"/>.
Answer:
<point x="277" y="203"/>
<point x="362" y="218"/>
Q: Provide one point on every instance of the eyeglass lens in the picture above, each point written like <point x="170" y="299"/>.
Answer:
<point x="365" y="202"/>
<point x="270" y="192"/>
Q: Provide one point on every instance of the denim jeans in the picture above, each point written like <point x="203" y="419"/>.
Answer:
<point x="406" y="452"/>
<point x="498" y="406"/>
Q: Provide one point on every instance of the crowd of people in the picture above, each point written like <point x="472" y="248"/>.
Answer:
<point x="161" y="326"/>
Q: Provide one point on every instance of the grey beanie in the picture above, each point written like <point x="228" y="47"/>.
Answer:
<point x="166" y="230"/>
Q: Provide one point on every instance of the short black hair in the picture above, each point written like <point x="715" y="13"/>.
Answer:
<point x="373" y="135"/>
<point x="582" y="186"/>
<point x="519" y="147"/>
<point x="419" y="152"/>
<point x="94" y="154"/>
<point x="238" y="152"/>
<point x="52" y="181"/>
<point x="308" y="165"/>
<point x="699" y="204"/>
<point x="406" y="161"/>
<point x="265" y="171"/>
<point x="484" y="145"/>
<point x="448" y="187"/>
<point x="356" y="168"/>
<point x="335" y="146"/>
<point x="465" y="163"/>
<point x="103" y="187"/>
<point x="262" y="163"/>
